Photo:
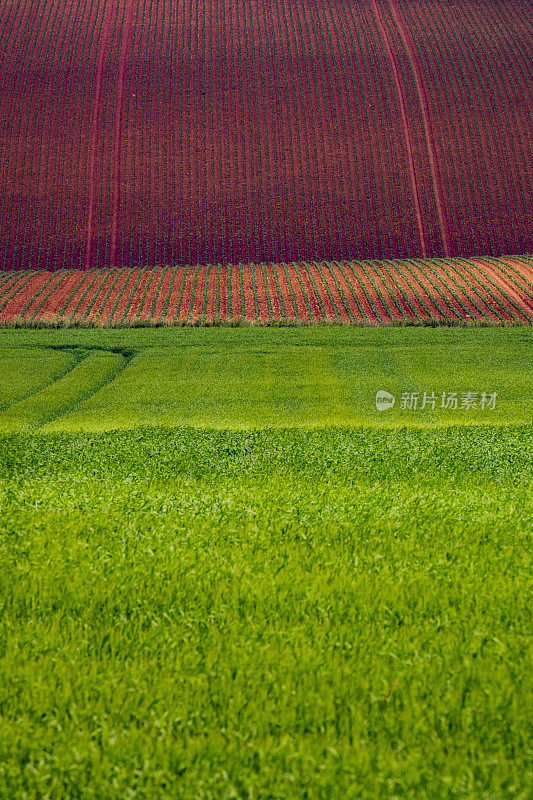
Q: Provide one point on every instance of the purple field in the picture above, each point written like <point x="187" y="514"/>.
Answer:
<point x="142" y="133"/>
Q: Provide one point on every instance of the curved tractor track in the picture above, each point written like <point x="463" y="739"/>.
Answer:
<point x="90" y="370"/>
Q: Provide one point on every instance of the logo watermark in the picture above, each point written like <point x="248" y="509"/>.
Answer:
<point x="431" y="401"/>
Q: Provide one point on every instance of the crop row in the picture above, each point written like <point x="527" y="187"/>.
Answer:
<point x="407" y="291"/>
<point x="145" y="132"/>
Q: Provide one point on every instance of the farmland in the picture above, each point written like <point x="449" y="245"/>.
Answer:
<point x="138" y="133"/>
<point x="266" y="399"/>
<point x="224" y="573"/>
<point x="458" y="291"/>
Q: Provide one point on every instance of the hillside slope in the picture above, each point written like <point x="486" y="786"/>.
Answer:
<point x="136" y="134"/>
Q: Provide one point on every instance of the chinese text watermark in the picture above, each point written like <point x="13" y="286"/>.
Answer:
<point x="431" y="401"/>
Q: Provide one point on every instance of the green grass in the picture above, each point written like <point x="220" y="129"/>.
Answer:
<point x="250" y="378"/>
<point x="215" y="614"/>
<point x="270" y="613"/>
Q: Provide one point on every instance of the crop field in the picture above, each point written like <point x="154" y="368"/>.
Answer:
<point x="136" y="133"/>
<point x="224" y="573"/>
<point x="266" y="400"/>
<point x="456" y="291"/>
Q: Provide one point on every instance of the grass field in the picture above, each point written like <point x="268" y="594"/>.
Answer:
<point x="73" y="380"/>
<point x="265" y="588"/>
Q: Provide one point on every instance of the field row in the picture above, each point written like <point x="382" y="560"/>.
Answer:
<point x="409" y="291"/>
<point x="139" y="134"/>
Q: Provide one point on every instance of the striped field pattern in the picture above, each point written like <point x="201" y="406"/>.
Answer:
<point x="455" y="291"/>
<point x="135" y="133"/>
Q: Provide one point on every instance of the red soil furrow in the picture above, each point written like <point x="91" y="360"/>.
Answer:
<point x="70" y="285"/>
<point x="328" y="306"/>
<point x="493" y="295"/>
<point x="353" y="272"/>
<point x="174" y="290"/>
<point x="349" y="292"/>
<point x="146" y="309"/>
<point x="448" y="308"/>
<point x="198" y="302"/>
<point x="302" y="270"/>
<point x="327" y="272"/>
<point x="125" y="296"/>
<point x="211" y="294"/>
<point x="107" y="310"/>
<point x="288" y="280"/>
<point x="447" y="289"/>
<point x="426" y="291"/>
<point x="183" y="311"/>
<point x="413" y="184"/>
<point x="272" y="290"/>
<point x="25" y="294"/>
<point x="41" y="298"/>
<point x="248" y="288"/>
<point x="400" y="287"/>
<point x="300" y="312"/>
<point x="478" y="292"/>
<point x="100" y="298"/>
<point x="117" y="136"/>
<point x="12" y="286"/>
<point x="505" y="286"/>
<point x="367" y="294"/>
<point x="422" y="92"/>
<point x="261" y="294"/>
<point x="389" y="308"/>
<point x="89" y="276"/>
<point x="162" y="295"/>
<point x="223" y="311"/>
<point x="452" y="286"/>
<point x="522" y="281"/>
<point x="236" y="312"/>
<point x="137" y="298"/>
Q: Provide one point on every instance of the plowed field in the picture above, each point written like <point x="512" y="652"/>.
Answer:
<point x="411" y="291"/>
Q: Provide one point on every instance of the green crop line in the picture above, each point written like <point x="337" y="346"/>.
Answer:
<point x="96" y="282"/>
<point x="349" y="282"/>
<point x="399" y="298"/>
<point x="304" y="294"/>
<point x="103" y="302"/>
<point x="448" y="285"/>
<point x="318" y="265"/>
<point x="216" y="314"/>
<point x="56" y="285"/>
<point x="455" y="266"/>
<point x="132" y="294"/>
<point x="169" y="293"/>
<point x="264" y="268"/>
<point x="41" y="292"/>
<point x="345" y="303"/>
<point x="406" y="264"/>
<point x="402" y="292"/>
<point x="18" y="287"/>
<point x="119" y="296"/>
<point x="511" y="272"/>
<point x="156" y="295"/>
<point x="488" y="280"/>
<point x="422" y="266"/>
<point x="318" y="294"/>
<point x="241" y="291"/>
<point x="76" y="288"/>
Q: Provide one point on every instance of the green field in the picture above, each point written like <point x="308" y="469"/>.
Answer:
<point x="257" y="585"/>
<point x="249" y="378"/>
